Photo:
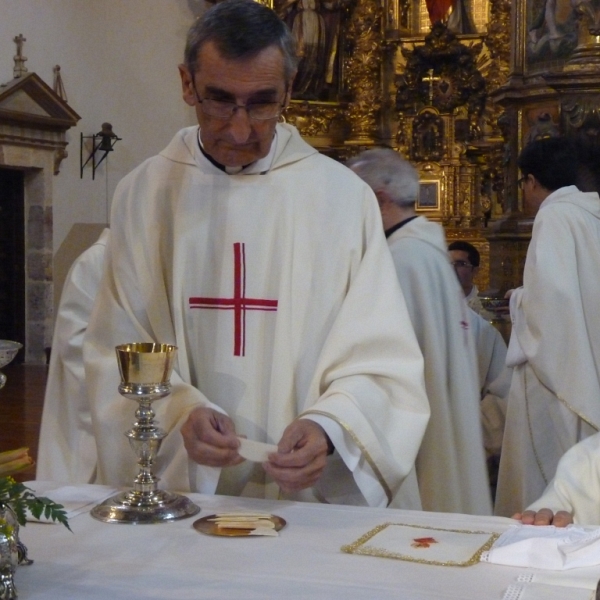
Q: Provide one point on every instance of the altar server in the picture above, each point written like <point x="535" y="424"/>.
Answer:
<point x="264" y="262"/>
<point x="465" y="259"/>
<point x="450" y="466"/>
<point x="67" y="449"/>
<point x="554" y="399"/>
<point x="573" y="496"/>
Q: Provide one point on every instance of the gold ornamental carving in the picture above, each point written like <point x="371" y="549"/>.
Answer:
<point x="316" y="119"/>
<point x="443" y="73"/>
<point x="362" y="67"/>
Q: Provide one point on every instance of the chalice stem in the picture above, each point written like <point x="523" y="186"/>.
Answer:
<point x="145" y="439"/>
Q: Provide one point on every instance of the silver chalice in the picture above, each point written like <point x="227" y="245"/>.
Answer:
<point x="145" y="377"/>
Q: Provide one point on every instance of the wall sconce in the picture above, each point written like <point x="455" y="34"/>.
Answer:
<point x="102" y="143"/>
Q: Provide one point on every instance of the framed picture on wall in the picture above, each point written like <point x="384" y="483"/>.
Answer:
<point x="546" y="37"/>
<point x="429" y="195"/>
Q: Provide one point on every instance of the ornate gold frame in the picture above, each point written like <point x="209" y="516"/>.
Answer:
<point x="429" y="196"/>
<point x="553" y="53"/>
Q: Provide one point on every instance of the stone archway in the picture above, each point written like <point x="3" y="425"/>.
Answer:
<point x="33" y="122"/>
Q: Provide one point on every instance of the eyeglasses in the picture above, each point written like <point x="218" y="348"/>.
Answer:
<point x="224" y="109"/>
<point x="522" y="180"/>
<point x="462" y="264"/>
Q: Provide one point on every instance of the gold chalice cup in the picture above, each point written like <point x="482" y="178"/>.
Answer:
<point x="145" y="369"/>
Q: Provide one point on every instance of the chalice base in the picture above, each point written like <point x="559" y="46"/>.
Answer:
<point x="140" y="508"/>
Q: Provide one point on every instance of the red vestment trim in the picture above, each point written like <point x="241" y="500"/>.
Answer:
<point x="239" y="303"/>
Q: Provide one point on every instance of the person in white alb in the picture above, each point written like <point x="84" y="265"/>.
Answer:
<point x="494" y="375"/>
<point x="465" y="259"/>
<point x="67" y="449"/>
<point x="573" y="495"/>
<point x="265" y="264"/>
<point x="450" y="466"/>
<point x="491" y="348"/>
<point x="554" y="399"/>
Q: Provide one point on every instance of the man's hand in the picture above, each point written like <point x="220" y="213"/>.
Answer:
<point x="545" y="516"/>
<point x="209" y="438"/>
<point x="301" y="456"/>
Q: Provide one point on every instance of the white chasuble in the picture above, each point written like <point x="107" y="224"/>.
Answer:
<point x="554" y="398"/>
<point x="576" y="485"/>
<point x="494" y="375"/>
<point x="67" y="449"/>
<point x="450" y="467"/>
<point x="279" y="291"/>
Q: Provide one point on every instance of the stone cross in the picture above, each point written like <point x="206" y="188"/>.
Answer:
<point x="20" y="68"/>
<point x="59" y="87"/>
<point x="430" y="80"/>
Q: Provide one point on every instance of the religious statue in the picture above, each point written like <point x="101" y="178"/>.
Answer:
<point x="454" y="13"/>
<point x="553" y="29"/>
<point x="438" y="9"/>
<point x="315" y="25"/>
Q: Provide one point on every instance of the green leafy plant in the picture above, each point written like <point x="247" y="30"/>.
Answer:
<point x="21" y="498"/>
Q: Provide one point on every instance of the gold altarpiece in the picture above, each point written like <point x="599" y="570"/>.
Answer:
<point x="553" y="88"/>
<point x="384" y="77"/>
<point x="460" y="100"/>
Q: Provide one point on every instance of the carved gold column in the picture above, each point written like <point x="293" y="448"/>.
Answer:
<point x="362" y="70"/>
<point x="517" y="97"/>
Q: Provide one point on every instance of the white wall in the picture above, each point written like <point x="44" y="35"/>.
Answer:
<point x="118" y="62"/>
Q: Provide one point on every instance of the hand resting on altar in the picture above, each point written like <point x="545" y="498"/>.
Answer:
<point x="210" y="439"/>
<point x="545" y="516"/>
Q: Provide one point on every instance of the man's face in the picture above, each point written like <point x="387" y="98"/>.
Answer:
<point x="533" y="194"/>
<point x="465" y="271"/>
<point x="238" y="140"/>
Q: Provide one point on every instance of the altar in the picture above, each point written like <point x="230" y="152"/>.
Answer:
<point x="173" y="560"/>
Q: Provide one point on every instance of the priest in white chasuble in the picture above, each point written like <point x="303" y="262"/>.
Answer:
<point x="450" y="467"/>
<point x="265" y="264"/>
<point x="554" y="399"/>
<point x="67" y="449"/>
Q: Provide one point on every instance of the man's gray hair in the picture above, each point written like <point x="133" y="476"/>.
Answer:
<point x="384" y="169"/>
<point x="241" y="29"/>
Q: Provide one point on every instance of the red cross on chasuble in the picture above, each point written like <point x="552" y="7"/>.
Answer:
<point x="239" y="304"/>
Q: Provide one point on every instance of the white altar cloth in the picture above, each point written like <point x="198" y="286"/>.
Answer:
<point x="175" y="562"/>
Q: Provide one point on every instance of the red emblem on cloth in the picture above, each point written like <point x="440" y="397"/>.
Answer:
<point x="239" y="303"/>
<point x="423" y="542"/>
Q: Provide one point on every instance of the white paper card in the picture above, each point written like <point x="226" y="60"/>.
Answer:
<point x="255" y="451"/>
<point x="264" y="531"/>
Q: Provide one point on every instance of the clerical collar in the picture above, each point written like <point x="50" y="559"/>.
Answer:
<point x="397" y="226"/>
<point x="212" y="160"/>
<point x="261" y="166"/>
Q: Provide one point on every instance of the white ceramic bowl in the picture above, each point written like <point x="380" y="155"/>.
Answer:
<point x="8" y="350"/>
